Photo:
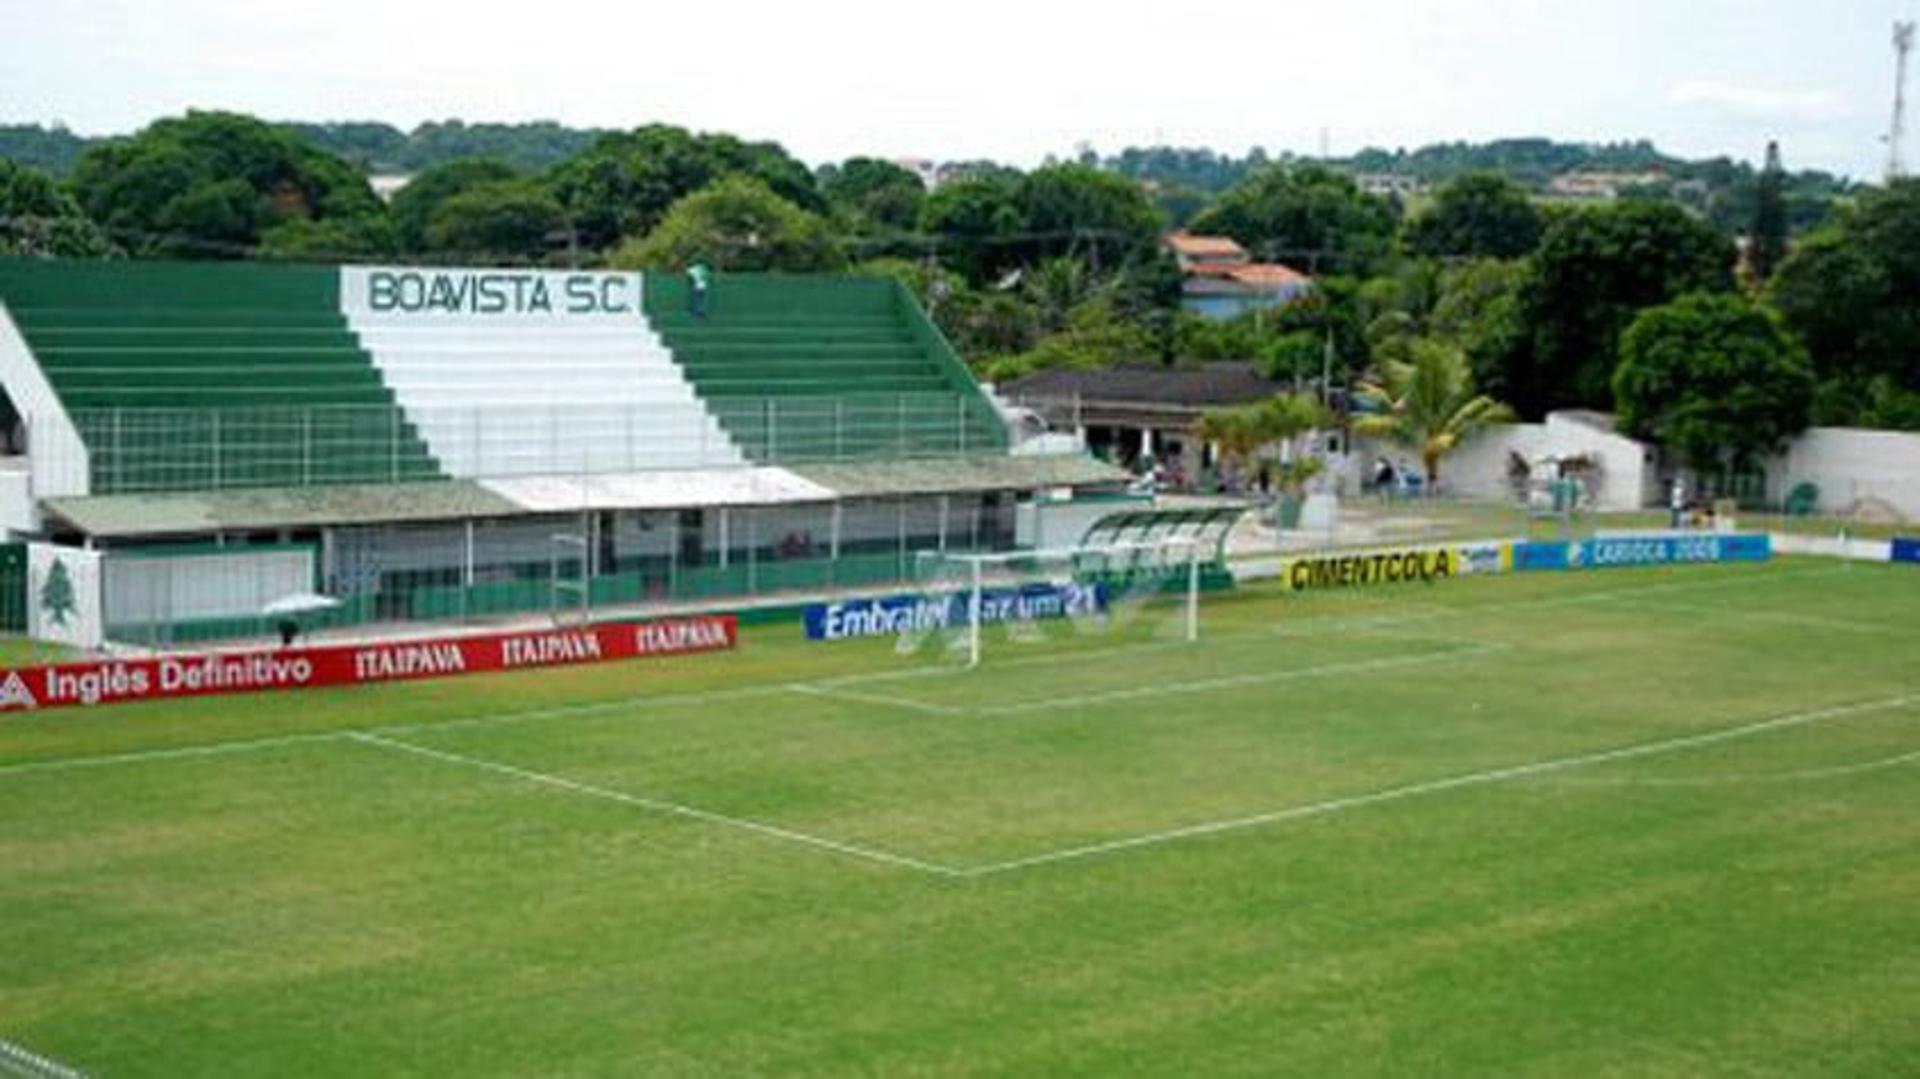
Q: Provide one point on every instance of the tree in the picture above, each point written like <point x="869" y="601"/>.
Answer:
<point x="737" y="223"/>
<point x="877" y="194"/>
<point x="1714" y="377"/>
<point x="38" y="218"/>
<point x="1851" y="292"/>
<point x="503" y="220"/>
<point x="1767" y="239"/>
<point x="1479" y="215"/>
<point x="1479" y="310"/>
<point x="1427" y="404"/>
<point x="1595" y="270"/>
<point x="1241" y="431"/>
<point x="415" y="203"/>
<point x="623" y="185"/>
<point x="1058" y="285"/>
<point x="1308" y="216"/>
<point x="1076" y="210"/>
<point x="974" y="223"/>
<point x="215" y="184"/>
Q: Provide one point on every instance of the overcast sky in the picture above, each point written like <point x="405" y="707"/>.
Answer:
<point x="1006" y="79"/>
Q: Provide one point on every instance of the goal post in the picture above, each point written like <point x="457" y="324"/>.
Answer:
<point x="1105" y="590"/>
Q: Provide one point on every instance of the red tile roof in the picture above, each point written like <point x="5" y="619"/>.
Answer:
<point x="1192" y="246"/>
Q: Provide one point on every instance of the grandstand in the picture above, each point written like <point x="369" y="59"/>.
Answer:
<point x="423" y="435"/>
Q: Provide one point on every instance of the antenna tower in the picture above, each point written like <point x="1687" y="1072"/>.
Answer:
<point x="1902" y="45"/>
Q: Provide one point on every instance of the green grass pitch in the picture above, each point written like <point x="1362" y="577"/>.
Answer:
<point x="1635" y="822"/>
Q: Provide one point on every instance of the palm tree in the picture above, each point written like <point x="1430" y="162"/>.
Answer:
<point x="1427" y="403"/>
<point x="1242" y="430"/>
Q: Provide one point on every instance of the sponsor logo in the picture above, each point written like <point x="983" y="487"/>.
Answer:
<point x="1664" y="550"/>
<point x="906" y="614"/>
<point x="1905" y="550"/>
<point x="690" y="635"/>
<point x="499" y="293"/>
<point x="1381" y="567"/>
<point x="15" y="694"/>
<point x="56" y="595"/>
<point x="409" y="661"/>
<point x="547" y="648"/>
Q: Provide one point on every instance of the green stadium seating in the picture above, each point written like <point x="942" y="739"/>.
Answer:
<point x="193" y="376"/>
<point x="824" y="368"/>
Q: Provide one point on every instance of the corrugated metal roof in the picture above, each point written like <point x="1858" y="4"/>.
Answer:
<point x="197" y="513"/>
<point x="187" y="513"/>
<point x="1004" y="473"/>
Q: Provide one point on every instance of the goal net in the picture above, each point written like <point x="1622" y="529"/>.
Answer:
<point x="975" y="606"/>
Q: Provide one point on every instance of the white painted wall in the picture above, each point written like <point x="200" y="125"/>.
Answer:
<point x="58" y="457"/>
<point x="1849" y="465"/>
<point x="1477" y="468"/>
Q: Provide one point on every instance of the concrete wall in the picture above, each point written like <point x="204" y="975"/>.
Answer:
<point x="1849" y="465"/>
<point x="1477" y="468"/>
<point x="58" y="457"/>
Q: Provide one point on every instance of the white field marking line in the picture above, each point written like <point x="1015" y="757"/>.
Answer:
<point x="1415" y="659"/>
<point x="853" y="697"/>
<point x="21" y="1061"/>
<point x="1435" y="786"/>
<point x="207" y="749"/>
<point x="1764" y="615"/>
<point x="1797" y="775"/>
<point x="657" y="805"/>
<point x="587" y="708"/>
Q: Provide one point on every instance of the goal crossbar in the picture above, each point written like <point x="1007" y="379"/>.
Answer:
<point x="978" y="562"/>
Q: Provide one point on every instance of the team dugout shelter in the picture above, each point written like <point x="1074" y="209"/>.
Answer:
<point x="459" y="443"/>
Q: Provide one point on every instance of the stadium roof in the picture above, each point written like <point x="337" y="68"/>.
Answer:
<point x="1226" y="383"/>
<point x="196" y="513"/>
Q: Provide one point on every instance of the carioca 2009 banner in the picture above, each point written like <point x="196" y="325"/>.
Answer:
<point x="111" y="681"/>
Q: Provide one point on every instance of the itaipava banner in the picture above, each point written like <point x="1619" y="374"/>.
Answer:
<point x="112" y="681"/>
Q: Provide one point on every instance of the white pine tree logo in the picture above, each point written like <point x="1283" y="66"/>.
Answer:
<point x="56" y="596"/>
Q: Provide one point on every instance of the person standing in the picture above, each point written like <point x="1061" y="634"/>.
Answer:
<point x="1677" y="501"/>
<point x="699" y="278"/>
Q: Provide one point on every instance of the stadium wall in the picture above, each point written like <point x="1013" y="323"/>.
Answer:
<point x="57" y="455"/>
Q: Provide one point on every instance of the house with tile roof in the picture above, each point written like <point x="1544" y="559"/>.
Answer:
<point x="1220" y="280"/>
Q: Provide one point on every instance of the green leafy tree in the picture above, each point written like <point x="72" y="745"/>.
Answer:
<point x="879" y="195"/>
<point x="623" y="185"/>
<point x="1714" y="377"/>
<point x="38" y="218"/>
<point x="1427" y="404"/>
<point x="1479" y="309"/>
<point x="1851" y="292"/>
<point x="1767" y="238"/>
<point x="1075" y="210"/>
<point x="1095" y="336"/>
<point x="1242" y="431"/>
<point x="1311" y="217"/>
<point x="510" y="220"/>
<point x="738" y="223"/>
<point x="214" y="184"/>
<point x="1595" y="270"/>
<point x="975" y="226"/>
<point x="414" y="204"/>
<point x="1479" y="215"/>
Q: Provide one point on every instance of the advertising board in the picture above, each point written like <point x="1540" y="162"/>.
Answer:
<point x="111" y="681"/>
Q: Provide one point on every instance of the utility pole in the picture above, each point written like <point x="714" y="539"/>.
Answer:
<point x="1902" y="45"/>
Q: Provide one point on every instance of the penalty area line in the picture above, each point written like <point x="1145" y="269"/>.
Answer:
<point x="1436" y="786"/>
<point x="658" y="805"/>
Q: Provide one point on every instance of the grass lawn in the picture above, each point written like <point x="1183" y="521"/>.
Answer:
<point x="1625" y="822"/>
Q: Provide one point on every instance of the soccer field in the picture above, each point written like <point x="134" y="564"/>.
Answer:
<point x="1625" y="822"/>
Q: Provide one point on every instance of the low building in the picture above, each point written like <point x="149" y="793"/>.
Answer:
<point x="1134" y="412"/>
<point x="1221" y="280"/>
